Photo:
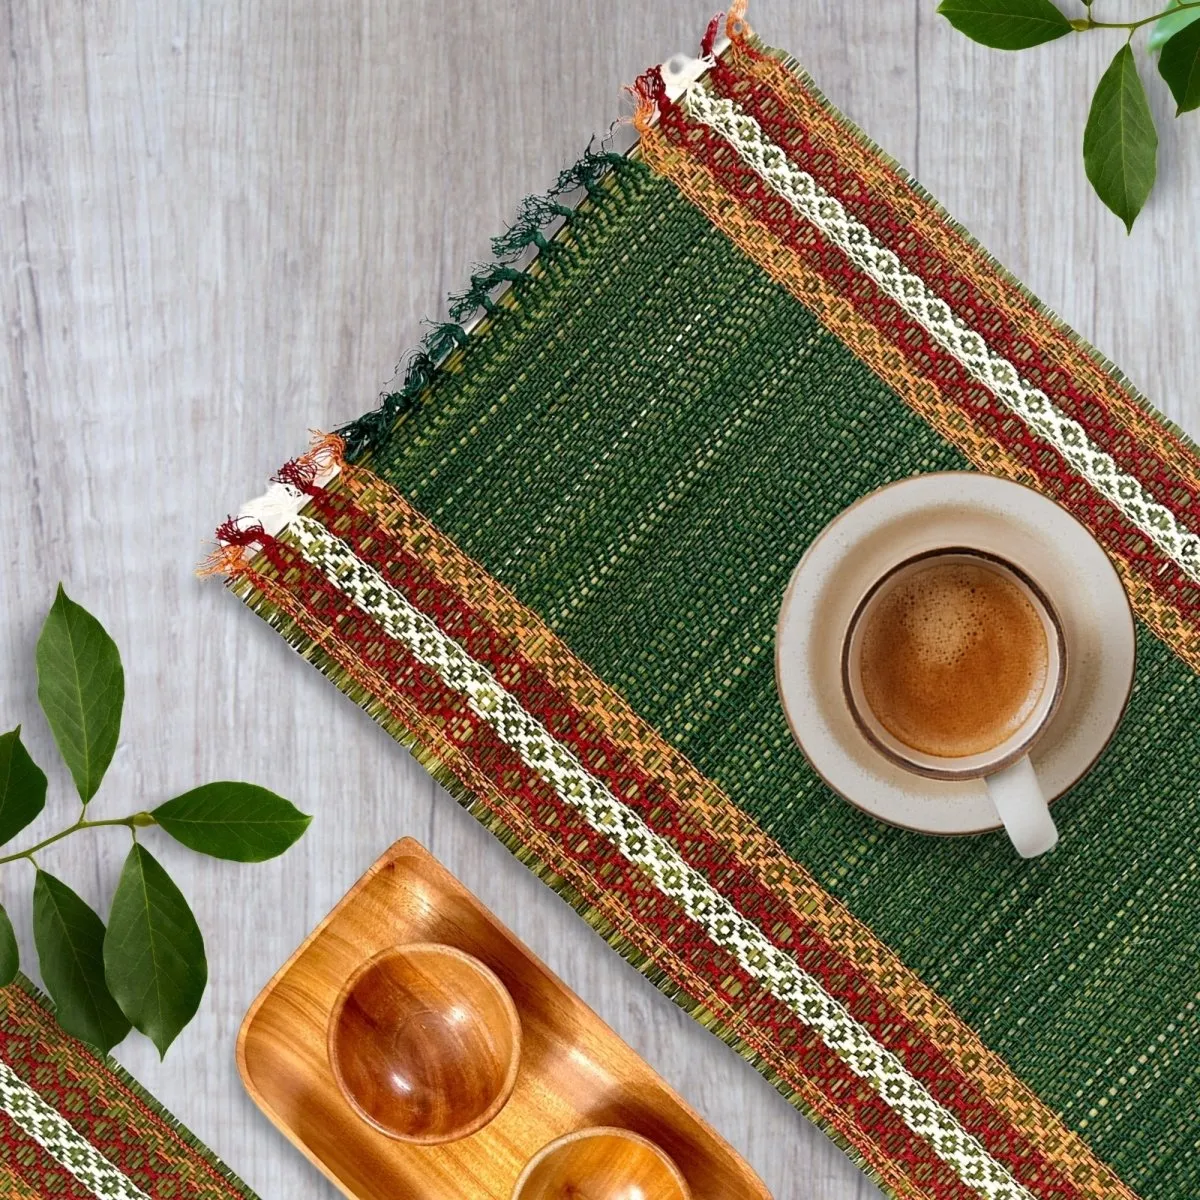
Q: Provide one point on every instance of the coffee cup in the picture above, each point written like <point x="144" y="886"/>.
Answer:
<point x="953" y="665"/>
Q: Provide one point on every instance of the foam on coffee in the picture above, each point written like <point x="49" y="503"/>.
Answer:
<point x="954" y="658"/>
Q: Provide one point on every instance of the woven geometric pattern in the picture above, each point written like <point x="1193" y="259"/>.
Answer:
<point x="73" y="1124"/>
<point x="551" y="566"/>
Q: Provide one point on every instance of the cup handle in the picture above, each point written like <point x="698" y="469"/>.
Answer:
<point x="1021" y="803"/>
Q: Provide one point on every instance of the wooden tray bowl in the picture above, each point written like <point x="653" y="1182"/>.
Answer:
<point x="574" y="1070"/>
<point x="425" y="1042"/>
<point x="601" y="1164"/>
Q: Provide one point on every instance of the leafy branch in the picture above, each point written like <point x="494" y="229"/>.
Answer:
<point x="1089" y="22"/>
<point x="1120" y="142"/>
<point x="133" y="822"/>
<point x="147" y="969"/>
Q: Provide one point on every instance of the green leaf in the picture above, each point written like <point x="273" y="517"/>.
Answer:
<point x="22" y="786"/>
<point x="1171" y="24"/>
<point x="1006" y="24"/>
<point x="81" y="687"/>
<point x="153" y="952"/>
<point x="1120" y="144"/>
<point x="10" y="956"/>
<point x="1179" y="65"/>
<point x="239" y="821"/>
<point x="70" y="943"/>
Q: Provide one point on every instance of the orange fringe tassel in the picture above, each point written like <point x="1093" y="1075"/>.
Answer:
<point x="233" y="552"/>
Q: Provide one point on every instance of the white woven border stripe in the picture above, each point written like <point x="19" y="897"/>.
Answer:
<point x="62" y="1141"/>
<point x="771" y="163"/>
<point x="542" y="752"/>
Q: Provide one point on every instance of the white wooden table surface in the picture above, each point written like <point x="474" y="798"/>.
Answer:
<point x="223" y="224"/>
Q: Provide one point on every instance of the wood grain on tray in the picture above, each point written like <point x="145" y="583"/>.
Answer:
<point x="574" y="1071"/>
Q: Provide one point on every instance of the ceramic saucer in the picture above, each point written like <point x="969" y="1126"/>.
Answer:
<point x="957" y="508"/>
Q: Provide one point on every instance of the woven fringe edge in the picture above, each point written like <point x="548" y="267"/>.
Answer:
<point x="541" y="227"/>
<point x="309" y="650"/>
<point x="1038" y="305"/>
<point x="472" y="309"/>
<point x="111" y="1065"/>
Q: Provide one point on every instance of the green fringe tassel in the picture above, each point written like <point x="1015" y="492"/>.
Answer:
<point x="536" y="214"/>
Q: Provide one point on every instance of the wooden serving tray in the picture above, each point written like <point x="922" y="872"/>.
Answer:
<point x="575" y="1071"/>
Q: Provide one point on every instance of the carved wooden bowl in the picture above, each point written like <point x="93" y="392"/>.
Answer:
<point x="425" y="1043"/>
<point x="601" y="1164"/>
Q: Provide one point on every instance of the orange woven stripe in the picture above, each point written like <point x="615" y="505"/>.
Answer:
<point x="869" y="344"/>
<point x="802" y="896"/>
<point x="375" y="689"/>
<point x="11" y="1184"/>
<point x="110" y="1094"/>
<point x="892" y="188"/>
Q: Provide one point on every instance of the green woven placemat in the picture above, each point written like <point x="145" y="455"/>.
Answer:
<point x="75" y="1126"/>
<point x="551" y="565"/>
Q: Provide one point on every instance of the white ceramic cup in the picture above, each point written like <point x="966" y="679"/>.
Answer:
<point x="1012" y="783"/>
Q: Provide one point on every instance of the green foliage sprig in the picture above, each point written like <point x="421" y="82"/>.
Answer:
<point x="1120" y="142"/>
<point x="147" y="969"/>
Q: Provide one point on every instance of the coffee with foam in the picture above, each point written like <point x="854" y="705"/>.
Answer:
<point x="954" y="658"/>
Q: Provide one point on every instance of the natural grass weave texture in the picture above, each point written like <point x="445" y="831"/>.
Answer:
<point x="599" y="490"/>
<point x="146" y="1152"/>
<point x="641" y="445"/>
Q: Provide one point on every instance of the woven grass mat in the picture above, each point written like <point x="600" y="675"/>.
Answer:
<point x="551" y="565"/>
<point x="75" y="1126"/>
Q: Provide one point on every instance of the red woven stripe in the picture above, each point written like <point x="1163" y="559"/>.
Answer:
<point x="1035" y="360"/>
<point x="1055" y="477"/>
<point x="658" y="806"/>
<point x="597" y="869"/>
<point x="70" y="1078"/>
<point x="39" y="1173"/>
